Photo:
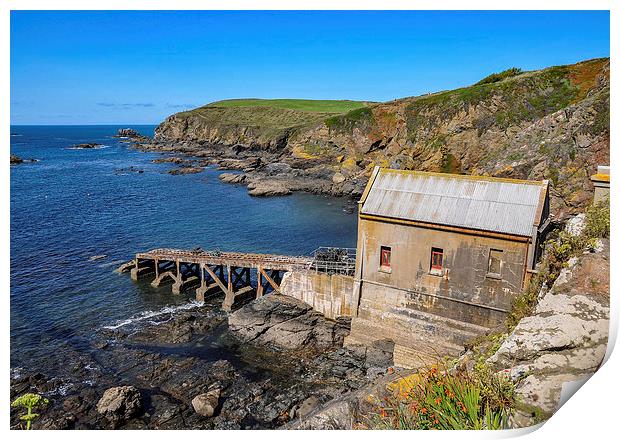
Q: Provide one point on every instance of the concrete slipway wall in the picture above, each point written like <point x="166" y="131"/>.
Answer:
<point x="329" y="294"/>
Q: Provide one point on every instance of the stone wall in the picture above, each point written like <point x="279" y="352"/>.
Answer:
<point x="329" y="294"/>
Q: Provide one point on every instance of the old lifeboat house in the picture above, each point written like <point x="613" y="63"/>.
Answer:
<point x="440" y="258"/>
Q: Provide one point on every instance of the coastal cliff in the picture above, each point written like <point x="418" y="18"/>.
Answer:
<point x="547" y="124"/>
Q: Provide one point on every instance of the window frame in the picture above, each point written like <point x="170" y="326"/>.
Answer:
<point x="434" y="269"/>
<point x="495" y="275"/>
<point x="385" y="251"/>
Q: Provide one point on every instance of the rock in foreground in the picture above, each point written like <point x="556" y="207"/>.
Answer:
<point x="564" y="341"/>
<point x="205" y="404"/>
<point x="119" y="404"/>
<point x="287" y="323"/>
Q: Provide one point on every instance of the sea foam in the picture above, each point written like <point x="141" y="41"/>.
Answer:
<point x="153" y="313"/>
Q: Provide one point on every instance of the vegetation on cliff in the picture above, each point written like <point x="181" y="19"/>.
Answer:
<point x="547" y="124"/>
<point x="495" y="77"/>
<point x="443" y="399"/>
<point x="560" y="247"/>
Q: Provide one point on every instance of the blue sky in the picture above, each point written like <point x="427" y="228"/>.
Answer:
<point x="137" y="67"/>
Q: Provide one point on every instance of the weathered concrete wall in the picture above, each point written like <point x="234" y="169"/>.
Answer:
<point x="328" y="294"/>
<point x="601" y="191"/>
<point x="464" y="279"/>
<point x="430" y="315"/>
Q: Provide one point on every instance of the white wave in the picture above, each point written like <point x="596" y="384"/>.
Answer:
<point x="16" y="373"/>
<point x="153" y="313"/>
<point x="100" y="147"/>
<point x="111" y="263"/>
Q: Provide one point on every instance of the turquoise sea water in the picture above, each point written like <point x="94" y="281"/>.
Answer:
<point x="75" y="204"/>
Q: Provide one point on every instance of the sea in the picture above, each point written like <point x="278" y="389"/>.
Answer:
<point x="77" y="214"/>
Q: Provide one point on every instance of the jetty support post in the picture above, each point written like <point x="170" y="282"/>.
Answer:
<point x="176" y="287"/>
<point x="143" y="267"/>
<point x="200" y="291"/>
<point x="259" y="282"/>
<point x="229" y="299"/>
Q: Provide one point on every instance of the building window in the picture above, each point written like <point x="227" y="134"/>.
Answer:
<point x="495" y="263"/>
<point x="436" y="260"/>
<point x="386" y="258"/>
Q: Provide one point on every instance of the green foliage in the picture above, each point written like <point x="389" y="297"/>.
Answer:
<point x="449" y="400"/>
<point x="305" y="105"/>
<point x="495" y="77"/>
<point x="598" y="220"/>
<point x="561" y="247"/>
<point x="450" y="164"/>
<point x="602" y="117"/>
<point x="30" y="401"/>
<point x="348" y="120"/>
<point x="519" y="98"/>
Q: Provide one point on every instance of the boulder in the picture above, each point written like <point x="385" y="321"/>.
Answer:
<point x="565" y="339"/>
<point x="186" y="170"/>
<point x="268" y="188"/>
<point x="232" y="178"/>
<point x="173" y="159"/>
<point x="119" y="404"/>
<point x="305" y="407"/>
<point x="338" y="178"/>
<point x="277" y="168"/>
<point x="206" y="403"/>
<point x="285" y="322"/>
<point x="16" y="159"/>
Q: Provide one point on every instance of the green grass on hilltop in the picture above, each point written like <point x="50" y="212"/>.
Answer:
<point x="304" y="105"/>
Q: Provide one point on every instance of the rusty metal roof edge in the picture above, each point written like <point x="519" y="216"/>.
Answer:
<point x="541" y="204"/>
<point x="464" y="176"/>
<point x="369" y="185"/>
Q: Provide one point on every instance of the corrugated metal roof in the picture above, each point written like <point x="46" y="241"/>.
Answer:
<point x="499" y="205"/>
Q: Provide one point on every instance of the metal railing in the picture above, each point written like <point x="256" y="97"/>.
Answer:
<point x="334" y="260"/>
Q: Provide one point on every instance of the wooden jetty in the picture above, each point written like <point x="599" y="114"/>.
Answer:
<point x="208" y="271"/>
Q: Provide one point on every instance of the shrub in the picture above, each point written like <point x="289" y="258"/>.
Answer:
<point x="560" y="248"/>
<point x="449" y="400"/>
<point x="29" y="401"/>
<point x="495" y="77"/>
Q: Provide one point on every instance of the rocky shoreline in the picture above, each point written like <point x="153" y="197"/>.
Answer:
<point x="264" y="172"/>
<point x="269" y="363"/>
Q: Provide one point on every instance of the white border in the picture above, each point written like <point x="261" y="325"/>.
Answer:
<point x="591" y="413"/>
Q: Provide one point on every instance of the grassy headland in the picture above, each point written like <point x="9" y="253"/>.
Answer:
<point x="303" y="105"/>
